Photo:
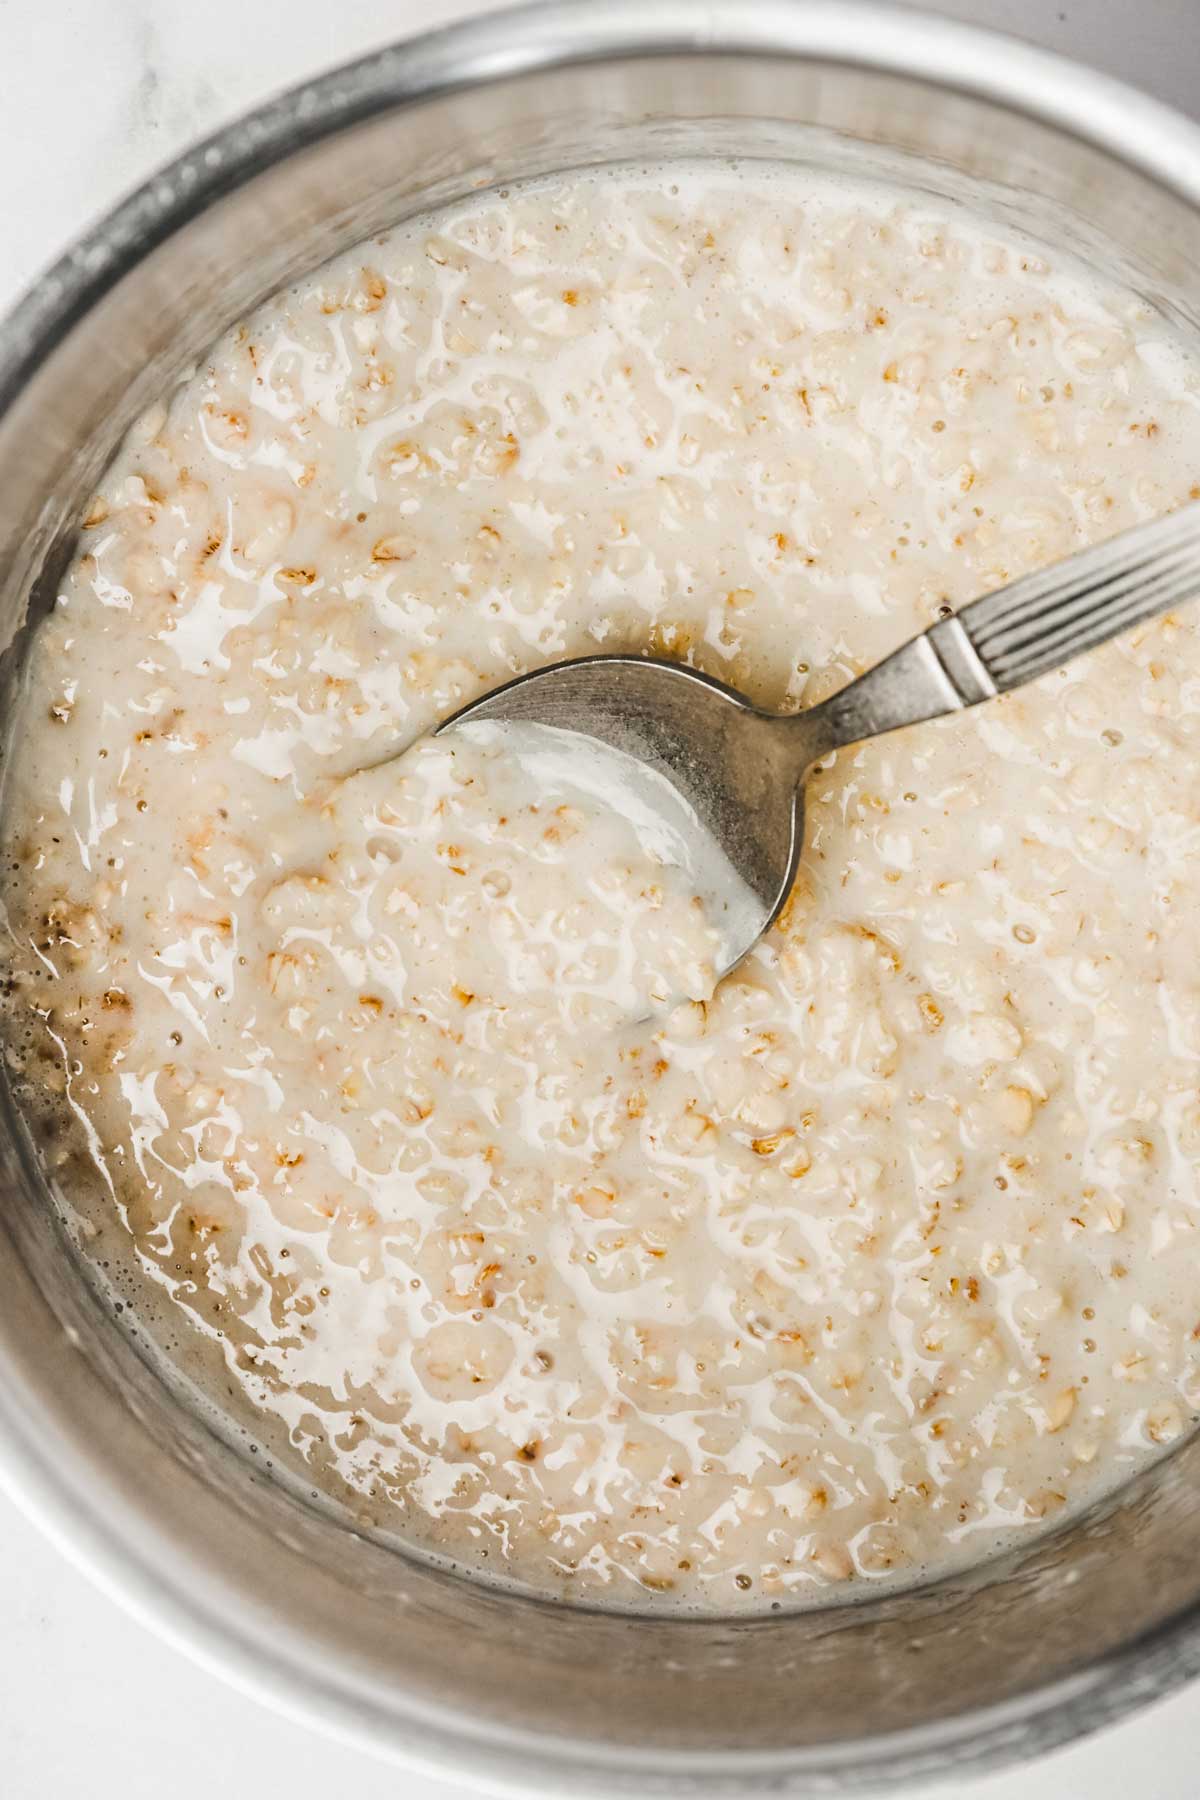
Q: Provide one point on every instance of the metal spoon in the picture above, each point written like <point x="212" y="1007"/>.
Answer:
<point x="735" y="775"/>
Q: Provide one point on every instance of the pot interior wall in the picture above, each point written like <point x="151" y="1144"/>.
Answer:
<point x="385" y="1642"/>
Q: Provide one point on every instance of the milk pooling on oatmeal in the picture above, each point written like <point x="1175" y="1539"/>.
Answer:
<point x="877" y="1256"/>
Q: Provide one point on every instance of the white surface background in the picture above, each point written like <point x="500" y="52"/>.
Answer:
<point x="94" y="94"/>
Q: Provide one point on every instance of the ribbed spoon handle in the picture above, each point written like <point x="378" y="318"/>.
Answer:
<point x="1043" y="620"/>
<point x="1010" y="637"/>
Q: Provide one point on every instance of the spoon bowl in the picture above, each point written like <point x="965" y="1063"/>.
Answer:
<point x="730" y="775"/>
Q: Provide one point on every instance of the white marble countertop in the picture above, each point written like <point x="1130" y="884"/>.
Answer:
<point x="94" y="94"/>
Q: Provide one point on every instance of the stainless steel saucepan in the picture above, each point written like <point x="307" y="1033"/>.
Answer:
<point x="246" y="1574"/>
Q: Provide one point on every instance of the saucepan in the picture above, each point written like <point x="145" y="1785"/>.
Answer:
<point x="113" y="1456"/>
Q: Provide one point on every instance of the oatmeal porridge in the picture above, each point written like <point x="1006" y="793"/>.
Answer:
<point x="875" y="1255"/>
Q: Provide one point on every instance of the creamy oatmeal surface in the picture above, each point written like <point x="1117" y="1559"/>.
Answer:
<point x="881" y="1252"/>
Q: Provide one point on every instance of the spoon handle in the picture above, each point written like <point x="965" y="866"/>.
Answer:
<point x="1021" y="631"/>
